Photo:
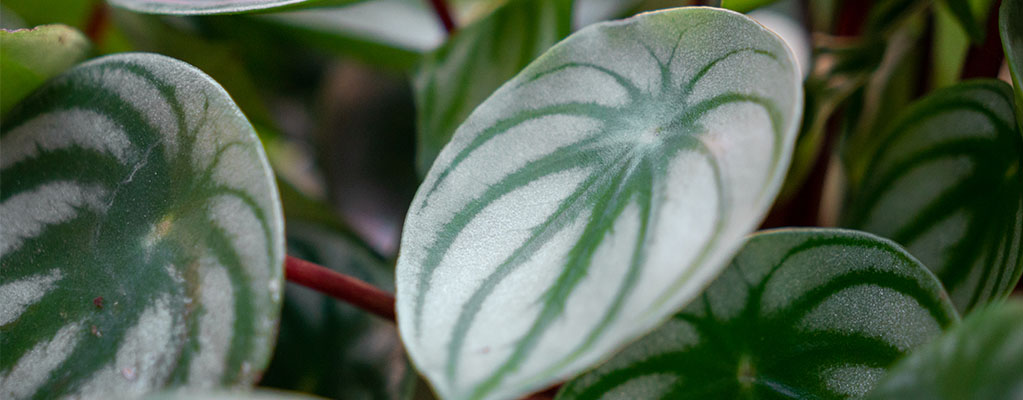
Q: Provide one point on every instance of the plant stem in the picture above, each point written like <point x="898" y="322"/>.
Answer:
<point x="440" y="7"/>
<point x="98" y="23"/>
<point x="340" y="286"/>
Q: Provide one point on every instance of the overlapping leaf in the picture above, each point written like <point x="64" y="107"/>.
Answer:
<point x="199" y="7"/>
<point x="808" y="313"/>
<point x="29" y="57"/>
<point x="592" y="196"/>
<point x="458" y="76"/>
<point x="329" y="348"/>
<point x="946" y="182"/>
<point x="982" y="358"/>
<point x="1011" y="29"/>
<point x="142" y="237"/>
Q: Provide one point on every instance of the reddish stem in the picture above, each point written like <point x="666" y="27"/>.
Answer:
<point x="98" y="23"/>
<point x="340" y="286"/>
<point x="444" y="14"/>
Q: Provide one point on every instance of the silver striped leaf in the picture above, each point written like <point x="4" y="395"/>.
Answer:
<point x="205" y="7"/>
<point x="946" y="182"/>
<point x="142" y="237"/>
<point x="982" y="358"/>
<point x="1009" y="16"/>
<point x="458" y="76"/>
<point x="592" y="196"/>
<point x="799" y="314"/>
<point x="28" y="57"/>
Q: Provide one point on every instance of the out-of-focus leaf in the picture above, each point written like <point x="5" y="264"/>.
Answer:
<point x="332" y="349"/>
<point x="74" y="13"/>
<point x="142" y="240"/>
<point x="946" y="182"/>
<point x="28" y="57"/>
<point x="951" y="42"/>
<point x="458" y="76"/>
<point x="1011" y="30"/>
<point x="592" y="196"/>
<point x="887" y="14"/>
<point x="228" y="395"/>
<point x="205" y="7"/>
<point x="744" y="5"/>
<point x="982" y="358"/>
<point x="804" y="313"/>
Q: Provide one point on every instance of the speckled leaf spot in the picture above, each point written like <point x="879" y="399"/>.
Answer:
<point x="946" y="182"/>
<point x="201" y="7"/>
<point x="142" y="235"/>
<point x="982" y="358"/>
<point x="592" y="196"/>
<point x="799" y="313"/>
<point x="458" y="76"/>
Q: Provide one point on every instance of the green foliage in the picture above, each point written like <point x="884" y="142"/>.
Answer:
<point x="143" y="239"/>
<point x="30" y="57"/>
<point x="1009" y="17"/>
<point x="200" y="7"/>
<point x="799" y="313"/>
<point x="982" y="358"/>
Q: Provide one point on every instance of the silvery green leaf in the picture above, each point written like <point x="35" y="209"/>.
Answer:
<point x="799" y="313"/>
<point x="592" y="196"/>
<point x="203" y="7"/>
<point x="981" y="358"/>
<point x="463" y="72"/>
<point x="142" y="237"/>
<point x="946" y="182"/>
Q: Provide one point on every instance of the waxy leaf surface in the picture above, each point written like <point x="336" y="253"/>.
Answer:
<point x="28" y="57"/>
<point x="803" y="313"/>
<point x="982" y="358"/>
<point x="458" y="76"/>
<point x="592" y="196"/>
<point x="946" y="183"/>
<point x="1010" y="26"/>
<point x="142" y="237"/>
<point x="202" y="7"/>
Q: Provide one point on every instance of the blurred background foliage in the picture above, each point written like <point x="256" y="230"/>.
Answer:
<point x="333" y="93"/>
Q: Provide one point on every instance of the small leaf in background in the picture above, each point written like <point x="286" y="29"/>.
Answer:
<point x="744" y="5"/>
<point x="28" y="57"/>
<point x="458" y="76"/>
<point x="799" y="313"/>
<point x="946" y="183"/>
<point x="981" y="358"/>
<point x="329" y="348"/>
<point x="205" y="7"/>
<point x="592" y="196"/>
<point x="1011" y="28"/>
<point x="142" y="237"/>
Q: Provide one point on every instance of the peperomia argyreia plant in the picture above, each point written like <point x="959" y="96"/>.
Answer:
<point x="508" y="199"/>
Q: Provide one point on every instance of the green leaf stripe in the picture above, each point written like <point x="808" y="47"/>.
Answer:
<point x="591" y="196"/>
<point x="946" y="183"/>
<point x="142" y="236"/>
<point x="458" y="76"/>
<point x="982" y="358"/>
<point x="799" y="313"/>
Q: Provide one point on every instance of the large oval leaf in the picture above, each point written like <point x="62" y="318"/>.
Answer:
<point x="592" y="196"/>
<point x="1009" y="16"/>
<point x="329" y="348"/>
<point x="982" y="358"/>
<point x="29" y="57"/>
<point x="200" y="7"/>
<point x="808" y="313"/>
<point x="458" y="76"/>
<point x="947" y="183"/>
<point x="142" y="235"/>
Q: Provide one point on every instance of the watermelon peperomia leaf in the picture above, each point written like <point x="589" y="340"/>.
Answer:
<point x="592" y="196"/>
<point x="981" y="358"/>
<point x="1009" y="16"/>
<point x="142" y="237"/>
<point x="799" y="313"/>
<point x="28" y="57"/>
<point x="946" y="181"/>
<point x="458" y="76"/>
<point x="205" y="7"/>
